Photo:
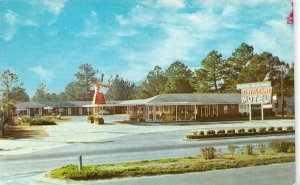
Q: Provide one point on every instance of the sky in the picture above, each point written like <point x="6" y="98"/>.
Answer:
<point x="45" y="41"/>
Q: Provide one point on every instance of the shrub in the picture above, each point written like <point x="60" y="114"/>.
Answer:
<point x="232" y="148"/>
<point x="209" y="152"/>
<point x="201" y="133"/>
<point x="210" y="132"/>
<point x="279" y="129"/>
<point x="241" y="131"/>
<point x="262" y="148"/>
<point x="292" y="149"/>
<point x="249" y="149"/>
<point x="230" y="131"/>
<point x="99" y="120"/>
<point x="281" y="145"/>
<point x="252" y="130"/>
<point x="262" y="130"/>
<point x="271" y="129"/>
<point x="90" y="118"/>
<point x="221" y="132"/>
<point x="195" y="133"/>
<point x="290" y="128"/>
<point x="26" y="120"/>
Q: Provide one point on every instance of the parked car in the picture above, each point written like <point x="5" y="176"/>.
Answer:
<point x="104" y="112"/>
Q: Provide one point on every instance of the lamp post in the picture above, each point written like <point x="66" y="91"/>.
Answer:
<point x="281" y="89"/>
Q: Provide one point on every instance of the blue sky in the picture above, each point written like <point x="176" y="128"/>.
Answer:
<point x="45" y="41"/>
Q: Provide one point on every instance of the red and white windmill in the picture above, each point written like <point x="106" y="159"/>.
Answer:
<point x="99" y="96"/>
<point x="290" y="18"/>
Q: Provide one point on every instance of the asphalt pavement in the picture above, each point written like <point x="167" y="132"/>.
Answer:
<point x="113" y="143"/>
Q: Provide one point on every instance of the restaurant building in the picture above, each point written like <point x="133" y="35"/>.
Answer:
<point x="184" y="107"/>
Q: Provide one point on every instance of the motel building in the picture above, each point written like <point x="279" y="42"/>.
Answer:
<point x="184" y="107"/>
<point x="160" y="108"/>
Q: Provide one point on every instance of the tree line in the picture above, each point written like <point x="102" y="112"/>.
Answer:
<point x="215" y="75"/>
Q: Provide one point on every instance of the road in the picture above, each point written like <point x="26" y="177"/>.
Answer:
<point x="260" y="175"/>
<point x="151" y="142"/>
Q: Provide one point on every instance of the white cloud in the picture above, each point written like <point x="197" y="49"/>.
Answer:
<point x="126" y="33"/>
<point x="276" y="36"/>
<point x="91" y="26"/>
<point x="228" y="10"/>
<point x="52" y="6"/>
<point x="121" y="20"/>
<point x="42" y="73"/>
<point x="12" y="20"/>
<point x="172" y="3"/>
<point x="11" y="17"/>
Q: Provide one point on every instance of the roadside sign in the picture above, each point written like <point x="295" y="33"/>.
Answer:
<point x="260" y="95"/>
<point x="267" y="106"/>
<point x="253" y="85"/>
<point x="256" y="93"/>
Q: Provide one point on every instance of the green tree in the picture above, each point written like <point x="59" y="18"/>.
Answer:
<point x="154" y="83"/>
<point x="208" y="79"/>
<point x="82" y="88"/>
<point x="120" y="89"/>
<point x="71" y="92"/>
<point x="234" y="65"/>
<point x="19" y="94"/>
<point x="12" y="91"/>
<point x="85" y="77"/>
<point x="42" y="94"/>
<point x="259" y="66"/>
<point x="178" y="78"/>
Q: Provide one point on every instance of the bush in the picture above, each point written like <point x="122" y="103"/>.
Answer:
<point x="221" y="132"/>
<point x="99" y="120"/>
<point x="290" y="128"/>
<point x="90" y="118"/>
<point x="279" y="129"/>
<point x="209" y="152"/>
<point x="281" y="145"/>
<point x="210" y="132"/>
<point x="262" y="148"/>
<point x="201" y="133"/>
<point x="252" y="130"/>
<point x="26" y="120"/>
<point x="232" y="148"/>
<point x="230" y="131"/>
<point x="249" y="149"/>
<point x="271" y="129"/>
<point x="262" y="130"/>
<point x="241" y="131"/>
<point x="195" y="133"/>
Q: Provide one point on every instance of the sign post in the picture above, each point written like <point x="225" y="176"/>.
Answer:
<point x="250" y="112"/>
<point x="259" y="93"/>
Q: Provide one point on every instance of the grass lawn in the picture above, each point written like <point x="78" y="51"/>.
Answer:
<point x="169" y="166"/>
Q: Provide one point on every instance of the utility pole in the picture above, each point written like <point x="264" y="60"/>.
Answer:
<point x="282" y="96"/>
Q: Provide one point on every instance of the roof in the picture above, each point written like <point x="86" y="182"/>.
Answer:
<point x="188" y="98"/>
<point x="162" y="99"/>
<point x="25" y="105"/>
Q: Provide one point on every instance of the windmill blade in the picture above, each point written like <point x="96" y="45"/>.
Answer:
<point x="105" y="86"/>
<point x="102" y="77"/>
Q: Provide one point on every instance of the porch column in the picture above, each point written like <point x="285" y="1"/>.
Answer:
<point x="195" y="111"/>
<point x="176" y="113"/>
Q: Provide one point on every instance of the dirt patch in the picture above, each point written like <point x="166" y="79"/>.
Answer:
<point x="17" y="131"/>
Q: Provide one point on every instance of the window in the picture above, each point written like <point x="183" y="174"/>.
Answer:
<point x="61" y="110"/>
<point x="225" y="109"/>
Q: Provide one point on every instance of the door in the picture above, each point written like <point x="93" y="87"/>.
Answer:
<point x="69" y="111"/>
<point x="80" y="110"/>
